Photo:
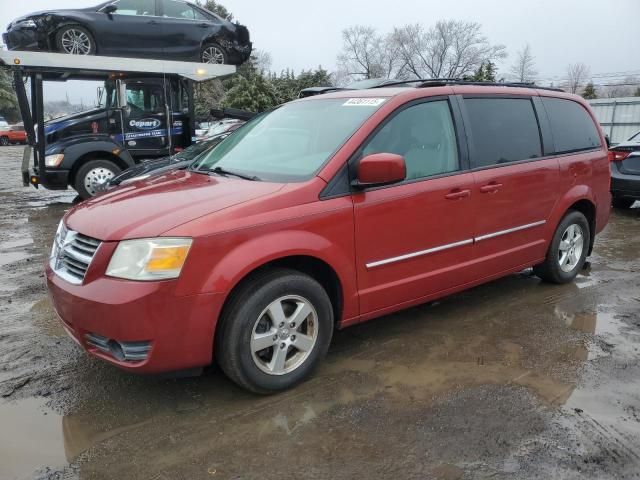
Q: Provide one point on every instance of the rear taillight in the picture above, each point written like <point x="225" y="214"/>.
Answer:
<point x="617" y="155"/>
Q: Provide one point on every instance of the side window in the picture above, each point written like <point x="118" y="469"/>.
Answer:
<point x="503" y="130"/>
<point x="144" y="99"/>
<point x="136" y="7"/>
<point x="201" y="16"/>
<point x="176" y="9"/>
<point x="572" y="126"/>
<point x="424" y="135"/>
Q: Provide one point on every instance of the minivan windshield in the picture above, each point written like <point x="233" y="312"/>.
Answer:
<point x="290" y="143"/>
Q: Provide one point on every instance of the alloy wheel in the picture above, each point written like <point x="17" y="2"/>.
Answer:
<point x="213" y="55"/>
<point x="571" y="248"/>
<point x="284" y="335"/>
<point x="76" y="42"/>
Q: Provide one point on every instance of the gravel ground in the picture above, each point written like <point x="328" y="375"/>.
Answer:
<point x="512" y="380"/>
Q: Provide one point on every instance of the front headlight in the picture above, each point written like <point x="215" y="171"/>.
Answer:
<point x="149" y="259"/>
<point x="26" y="24"/>
<point x="53" y="160"/>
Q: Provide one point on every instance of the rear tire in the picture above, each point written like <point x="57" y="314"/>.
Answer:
<point x="75" y="40"/>
<point x="4" y="141"/>
<point x="214" y="54"/>
<point x="568" y="250"/>
<point x="623" y="203"/>
<point x="284" y="311"/>
<point x="94" y="174"/>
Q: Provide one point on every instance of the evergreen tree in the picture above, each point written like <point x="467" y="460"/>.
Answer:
<point x="8" y="102"/>
<point x="590" y="92"/>
<point x="216" y="8"/>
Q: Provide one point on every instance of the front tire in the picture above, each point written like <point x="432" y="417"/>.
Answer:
<point x="214" y="54"/>
<point x="93" y="176"/>
<point x="568" y="250"/>
<point x="623" y="203"/>
<point x="274" y="331"/>
<point x="75" y="40"/>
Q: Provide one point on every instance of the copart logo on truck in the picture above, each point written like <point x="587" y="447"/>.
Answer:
<point x="145" y="123"/>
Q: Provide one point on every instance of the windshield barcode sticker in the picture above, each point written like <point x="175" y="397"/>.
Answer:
<point x="364" y="102"/>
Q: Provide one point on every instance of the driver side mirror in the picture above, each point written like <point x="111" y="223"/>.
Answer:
<point x="109" y="9"/>
<point x="380" y="169"/>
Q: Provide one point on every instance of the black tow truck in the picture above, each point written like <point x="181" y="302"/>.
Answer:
<point x="145" y="110"/>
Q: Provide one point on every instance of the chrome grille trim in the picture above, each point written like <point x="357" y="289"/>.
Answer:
<point x="72" y="254"/>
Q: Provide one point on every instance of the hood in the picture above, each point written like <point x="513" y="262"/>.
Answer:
<point x="150" y="207"/>
<point x="68" y="120"/>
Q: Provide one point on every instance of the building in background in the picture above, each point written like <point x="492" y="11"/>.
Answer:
<point x="619" y="117"/>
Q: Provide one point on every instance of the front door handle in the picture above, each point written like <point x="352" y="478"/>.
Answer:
<point x="152" y="22"/>
<point x="457" y="194"/>
<point x="203" y="25"/>
<point x="491" y="187"/>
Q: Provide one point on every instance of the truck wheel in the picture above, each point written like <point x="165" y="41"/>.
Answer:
<point x="623" y="203"/>
<point x="274" y="331"/>
<point x="93" y="176"/>
<point x="75" y="40"/>
<point x="213" y="53"/>
<point x="4" y="141"/>
<point x="568" y="250"/>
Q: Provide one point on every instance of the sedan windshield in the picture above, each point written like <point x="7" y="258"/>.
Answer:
<point x="292" y="142"/>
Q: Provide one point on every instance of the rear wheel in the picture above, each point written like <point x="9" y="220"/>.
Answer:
<point x="274" y="331"/>
<point x="4" y="141"/>
<point x="623" y="202"/>
<point x="93" y="176"/>
<point x="214" y="54"/>
<point x="75" y="40"/>
<point x="568" y="250"/>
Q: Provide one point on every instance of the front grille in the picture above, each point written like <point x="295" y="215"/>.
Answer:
<point x="72" y="254"/>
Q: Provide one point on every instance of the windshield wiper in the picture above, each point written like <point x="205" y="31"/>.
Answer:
<point x="224" y="172"/>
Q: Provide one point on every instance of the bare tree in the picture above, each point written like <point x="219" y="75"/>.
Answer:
<point x="451" y="49"/>
<point x="263" y="61"/>
<point x="625" y="88"/>
<point x="367" y="54"/>
<point x="577" y="75"/>
<point x="524" y="69"/>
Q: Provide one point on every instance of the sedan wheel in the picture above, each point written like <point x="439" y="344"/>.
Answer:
<point x="213" y="54"/>
<point x="75" y="40"/>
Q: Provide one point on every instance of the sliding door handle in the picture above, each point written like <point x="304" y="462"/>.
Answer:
<point x="491" y="187"/>
<point x="457" y="194"/>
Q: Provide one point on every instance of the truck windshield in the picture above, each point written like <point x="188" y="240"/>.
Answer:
<point x="292" y="142"/>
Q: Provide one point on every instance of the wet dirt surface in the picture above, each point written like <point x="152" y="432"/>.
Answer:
<point x="514" y="379"/>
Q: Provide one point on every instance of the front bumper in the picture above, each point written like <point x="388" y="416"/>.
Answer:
<point x="624" y="185"/>
<point x="178" y="330"/>
<point x="17" y="38"/>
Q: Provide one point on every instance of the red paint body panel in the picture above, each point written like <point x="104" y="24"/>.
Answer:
<point x="14" y="135"/>
<point x="385" y="245"/>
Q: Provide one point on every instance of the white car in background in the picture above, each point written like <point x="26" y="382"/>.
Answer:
<point x="3" y="123"/>
<point x="216" y="128"/>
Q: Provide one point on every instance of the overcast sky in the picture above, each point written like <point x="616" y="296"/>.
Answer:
<point x="304" y="34"/>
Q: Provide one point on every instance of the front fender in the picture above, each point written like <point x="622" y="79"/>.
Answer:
<point x="74" y="151"/>
<point x="235" y="258"/>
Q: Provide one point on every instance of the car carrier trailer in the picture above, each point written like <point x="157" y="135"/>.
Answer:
<point x="146" y="110"/>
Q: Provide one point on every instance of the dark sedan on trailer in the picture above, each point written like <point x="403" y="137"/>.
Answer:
<point x="172" y="29"/>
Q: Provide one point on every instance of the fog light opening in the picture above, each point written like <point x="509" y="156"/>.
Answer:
<point x="116" y="350"/>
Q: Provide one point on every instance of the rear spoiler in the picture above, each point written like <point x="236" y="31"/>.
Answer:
<point x="234" y="113"/>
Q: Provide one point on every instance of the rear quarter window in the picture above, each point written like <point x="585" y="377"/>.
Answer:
<point x="572" y="127"/>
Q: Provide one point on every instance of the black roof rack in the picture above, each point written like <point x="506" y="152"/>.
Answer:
<point x="442" y="82"/>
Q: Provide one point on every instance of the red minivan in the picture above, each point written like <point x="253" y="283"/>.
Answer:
<point x="326" y="212"/>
